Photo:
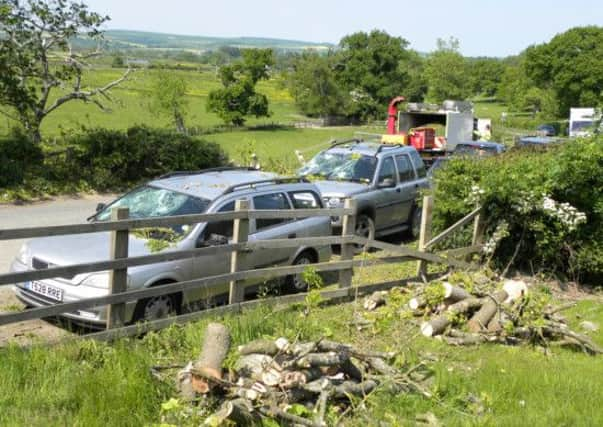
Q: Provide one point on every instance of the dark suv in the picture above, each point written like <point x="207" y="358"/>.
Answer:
<point x="384" y="179"/>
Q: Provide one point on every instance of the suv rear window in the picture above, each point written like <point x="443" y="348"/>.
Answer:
<point x="273" y="201"/>
<point x="305" y="200"/>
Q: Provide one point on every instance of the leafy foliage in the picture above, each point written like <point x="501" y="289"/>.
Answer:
<point x="238" y="97"/>
<point x="18" y="155"/>
<point x="446" y="73"/>
<point x="37" y="59"/>
<point x="106" y="158"/>
<point x="571" y="65"/>
<point x="169" y="97"/>
<point x="535" y="193"/>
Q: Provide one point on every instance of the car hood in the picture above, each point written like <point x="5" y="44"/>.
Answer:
<point x="80" y="248"/>
<point x="340" y="188"/>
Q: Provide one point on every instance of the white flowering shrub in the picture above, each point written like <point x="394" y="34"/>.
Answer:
<point x="544" y="209"/>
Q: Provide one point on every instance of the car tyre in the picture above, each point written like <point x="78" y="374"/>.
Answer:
<point x="157" y="307"/>
<point x="365" y="227"/>
<point x="414" y="223"/>
<point x="295" y="282"/>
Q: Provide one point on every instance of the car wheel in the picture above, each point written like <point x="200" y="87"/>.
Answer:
<point x="158" y="307"/>
<point x="414" y="224"/>
<point x="295" y="282"/>
<point x="365" y="227"/>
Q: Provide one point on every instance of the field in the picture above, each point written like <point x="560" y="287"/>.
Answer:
<point x="92" y="383"/>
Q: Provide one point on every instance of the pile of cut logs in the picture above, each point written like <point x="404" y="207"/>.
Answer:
<point x="464" y="318"/>
<point x="270" y="376"/>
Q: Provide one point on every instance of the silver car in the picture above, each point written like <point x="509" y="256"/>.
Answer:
<point x="181" y="193"/>
<point x="385" y="180"/>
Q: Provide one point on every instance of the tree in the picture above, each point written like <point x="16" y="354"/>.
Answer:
<point x="314" y="86"/>
<point x="238" y="98"/>
<point x="368" y="68"/>
<point x="446" y="72"/>
<point x="485" y="75"/>
<point x="169" y="97"/>
<point x="571" y="65"/>
<point x="36" y="59"/>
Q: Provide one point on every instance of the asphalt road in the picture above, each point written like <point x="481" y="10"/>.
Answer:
<point x="57" y="212"/>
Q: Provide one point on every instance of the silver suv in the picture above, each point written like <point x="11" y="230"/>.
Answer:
<point x="180" y="193"/>
<point x="385" y="180"/>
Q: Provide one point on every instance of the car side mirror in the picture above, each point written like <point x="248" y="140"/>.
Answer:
<point x="100" y="207"/>
<point x="387" y="183"/>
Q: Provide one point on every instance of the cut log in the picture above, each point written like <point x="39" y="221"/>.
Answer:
<point x="482" y="317"/>
<point x="375" y="300"/>
<point x="327" y="345"/>
<point x="435" y="326"/>
<point x="216" y="343"/>
<point x="515" y="289"/>
<point x="239" y="411"/>
<point x="439" y="324"/>
<point x="259" y="367"/>
<point x="185" y="383"/>
<point x="351" y="370"/>
<point x="269" y="347"/>
<point x="453" y="294"/>
<point x="379" y="365"/>
<point x="322" y="359"/>
<point x="416" y="303"/>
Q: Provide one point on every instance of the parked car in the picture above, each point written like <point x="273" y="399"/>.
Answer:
<point x="384" y="179"/>
<point x="546" y="130"/>
<point x="536" y="141"/>
<point x="181" y="193"/>
<point x="478" y="148"/>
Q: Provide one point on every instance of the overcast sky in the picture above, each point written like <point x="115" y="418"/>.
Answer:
<point x="483" y="27"/>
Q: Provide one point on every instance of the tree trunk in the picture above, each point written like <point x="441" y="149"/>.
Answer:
<point x="454" y="293"/>
<point x="438" y="325"/>
<point x="216" y="343"/>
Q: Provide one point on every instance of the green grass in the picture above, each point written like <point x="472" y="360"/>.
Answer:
<point x="90" y="383"/>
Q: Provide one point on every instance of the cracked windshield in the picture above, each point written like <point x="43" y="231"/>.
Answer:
<point x="341" y="167"/>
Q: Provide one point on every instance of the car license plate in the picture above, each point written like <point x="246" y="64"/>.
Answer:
<point x="46" y="290"/>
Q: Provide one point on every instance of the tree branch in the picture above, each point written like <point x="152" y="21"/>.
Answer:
<point x="87" y="95"/>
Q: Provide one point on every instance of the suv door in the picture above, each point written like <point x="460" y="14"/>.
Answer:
<point x="386" y="199"/>
<point x="213" y="264"/>
<point x="408" y="187"/>
<point x="268" y="229"/>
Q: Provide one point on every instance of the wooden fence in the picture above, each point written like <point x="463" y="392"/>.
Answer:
<point x="120" y="226"/>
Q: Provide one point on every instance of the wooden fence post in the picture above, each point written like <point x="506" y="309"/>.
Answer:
<point x="347" y="249"/>
<point x="479" y="226"/>
<point x="425" y="234"/>
<point x="118" y="278"/>
<point x="237" y="258"/>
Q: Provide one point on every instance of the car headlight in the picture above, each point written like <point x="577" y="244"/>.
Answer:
<point x="24" y="256"/>
<point x="100" y="280"/>
<point x="334" y="202"/>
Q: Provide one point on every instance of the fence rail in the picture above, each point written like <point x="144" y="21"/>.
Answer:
<point x="119" y="226"/>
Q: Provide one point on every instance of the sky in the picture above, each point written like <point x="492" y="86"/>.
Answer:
<point x="483" y="27"/>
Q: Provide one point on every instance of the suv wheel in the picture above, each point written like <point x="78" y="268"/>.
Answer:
<point x="295" y="282"/>
<point x="157" y="307"/>
<point x="414" y="225"/>
<point x="365" y="227"/>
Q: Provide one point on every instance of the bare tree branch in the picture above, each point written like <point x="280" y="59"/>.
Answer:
<point x="87" y="95"/>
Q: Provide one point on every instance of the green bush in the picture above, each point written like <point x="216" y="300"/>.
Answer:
<point x="110" y="158"/>
<point x="18" y="155"/>
<point x="541" y="197"/>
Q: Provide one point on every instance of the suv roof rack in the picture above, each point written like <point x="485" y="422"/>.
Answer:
<point x="251" y="184"/>
<point x="335" y="142"/>
<point x="383" y="146"/>
<point x="218" y="169"/>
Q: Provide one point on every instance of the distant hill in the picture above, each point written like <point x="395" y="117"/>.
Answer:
<point x="125" y="39"/>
